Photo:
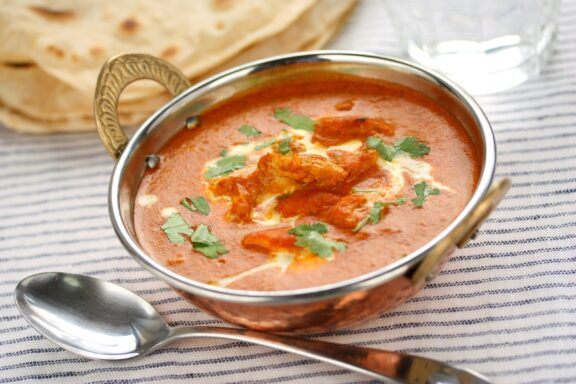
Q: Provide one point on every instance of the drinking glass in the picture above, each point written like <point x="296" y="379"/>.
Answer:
<point x="484" y="45"/>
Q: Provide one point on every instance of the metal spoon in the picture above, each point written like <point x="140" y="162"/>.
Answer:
<point x="101" y="320"/>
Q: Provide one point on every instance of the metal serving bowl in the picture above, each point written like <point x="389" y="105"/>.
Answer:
<point x="310" y="309"/>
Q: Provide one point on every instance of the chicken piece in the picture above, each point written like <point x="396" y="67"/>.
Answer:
<point x="357" y="164"/>
<point x="307" y="203"/>
<point x="284" y="174"/>
<point x="276" y="174"/>
<point x="272" y="175"/>
<point x="341" y="211"/>
<point x="244" y="193"/>
<point x="270" y="240"/>
<point x="348" y="212"/>
<point x="331" y="131"/>
<point x="315" y="171"/>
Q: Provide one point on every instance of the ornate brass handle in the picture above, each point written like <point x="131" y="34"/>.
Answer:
<point x="114" y="76"/>
<point x="460" y="236"/>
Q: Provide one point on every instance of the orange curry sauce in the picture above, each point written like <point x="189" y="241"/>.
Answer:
<point x="329" y="175"/>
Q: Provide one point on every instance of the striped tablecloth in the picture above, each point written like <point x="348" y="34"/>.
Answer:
<point x="505" y="305"/>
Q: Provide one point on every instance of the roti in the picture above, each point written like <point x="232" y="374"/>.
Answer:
<point x="36" y="101"/>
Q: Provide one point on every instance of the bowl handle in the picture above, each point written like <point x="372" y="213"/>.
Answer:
<point x="462" y="234"/>
<point x="115" y="75"/>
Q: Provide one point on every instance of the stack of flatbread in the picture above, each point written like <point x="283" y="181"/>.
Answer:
<point x="51" y="51"/>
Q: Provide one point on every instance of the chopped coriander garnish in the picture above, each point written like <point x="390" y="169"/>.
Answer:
<point x="187" y="203"/>
<point x="206" y="243"/>
<point x="372" y="218"/>
<point x="249" y="130"/>
<point x="375" y="213"/>
<point x="319" y="245"/>
<point x="264" y="144"/>
<point x="196" y="204"/>
<point x="175" y="226"/>
<point x="412" y="146"/>
<point x="225" y="166"/>
<point x="398" y="201"/>
<point x="409" y="145"/>
<point x="203" y="240"/>
<point x="302" y="229"/>
<point x="224" y="152"/>
<point x="422" y="191"/>
<point x="385" y="151"/>
<point x="373" y="142"/>
<point x="286" y="116"/>
<point x="284" y="145"/>
<point x="310" y="236"/>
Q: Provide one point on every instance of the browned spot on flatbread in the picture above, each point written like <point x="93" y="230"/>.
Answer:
<point x="96" y="51"/>
<point x="56" y="51"/>
<point x="223" y="5"/>
<point x="52" y="14"/>
<point x="169" y="52"/>
<point x="220" y="25"/>
<point x="129" y="26"/>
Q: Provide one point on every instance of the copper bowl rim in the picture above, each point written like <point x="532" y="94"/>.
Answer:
<point x="362" y="282"/>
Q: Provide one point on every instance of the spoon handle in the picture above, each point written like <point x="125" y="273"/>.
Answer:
<point x="391" y="367"/>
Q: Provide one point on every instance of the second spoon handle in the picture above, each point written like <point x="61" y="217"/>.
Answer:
<point x="391" y="367"/>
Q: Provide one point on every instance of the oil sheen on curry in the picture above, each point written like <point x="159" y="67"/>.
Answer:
<point x="305" y="184"/>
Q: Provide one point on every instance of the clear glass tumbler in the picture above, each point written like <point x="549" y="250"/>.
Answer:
<point x="484" y="45"/>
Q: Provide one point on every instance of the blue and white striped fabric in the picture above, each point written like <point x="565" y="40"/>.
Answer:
<point x="505" y="305"/>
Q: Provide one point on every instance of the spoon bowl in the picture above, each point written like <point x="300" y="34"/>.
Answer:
<point x="90" y="317"/>
<point x="101" y="320"/>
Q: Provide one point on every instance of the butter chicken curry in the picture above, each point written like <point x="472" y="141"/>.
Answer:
<point x="304" y="184"/>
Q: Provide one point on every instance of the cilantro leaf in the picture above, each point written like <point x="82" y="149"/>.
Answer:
<point x="206" y="243"/>
<point x="303" y="229"/>
<point x="361" y="224"/>
<point x="211" y="251"/>
<point x="203" y="236"/>
<point x="196" y="204"/>
<point x="284" y="145"/>
<point x="286" y="116"/>
<point x="372" y="218"/>
<point x="264" y="144"/>
<point x="385" y="151"/>
<point x="310" y="236"/>
<point x="409" y="145"/>
<point x="422" y="191"/>
<point x="398" y="201"/>
<point x="373" y="142"/>
<point x="375" y="213"/>
<point x="175" y="226"/>
<point x="319" y="245"/>
<point x="225" y="166"/>
<point x="223" y="152"/>
<point x="412" y="146"/>
<point x="249" y="130"/>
